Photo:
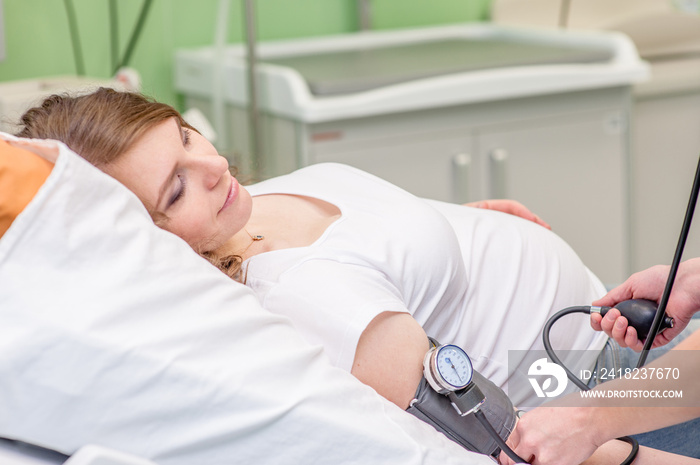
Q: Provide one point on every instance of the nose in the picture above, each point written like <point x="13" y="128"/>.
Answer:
<point x="213" y="167"/>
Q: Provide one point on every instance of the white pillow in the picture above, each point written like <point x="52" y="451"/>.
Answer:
<point x="115" y="332"/>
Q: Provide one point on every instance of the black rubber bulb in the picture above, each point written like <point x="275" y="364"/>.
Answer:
<point x="640" y="315"/>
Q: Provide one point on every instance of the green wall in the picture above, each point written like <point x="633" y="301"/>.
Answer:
<point x="38" y="40"/>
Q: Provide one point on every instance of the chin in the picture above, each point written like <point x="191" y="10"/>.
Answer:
<point x="242" y="210"/>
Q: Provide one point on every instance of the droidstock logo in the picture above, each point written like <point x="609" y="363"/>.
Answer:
<point x="543" y="368"/>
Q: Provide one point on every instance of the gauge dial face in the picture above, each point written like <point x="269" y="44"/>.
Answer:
<point x="454" y="366"/>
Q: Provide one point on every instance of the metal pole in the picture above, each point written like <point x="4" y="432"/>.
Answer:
<point x="364" y="11"/>
<point x="253" y="111"/>
<point x="564" y="10"/>
<point x="217" y="94"/>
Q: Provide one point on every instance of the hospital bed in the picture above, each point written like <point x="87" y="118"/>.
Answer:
<point x="183" y="368"/>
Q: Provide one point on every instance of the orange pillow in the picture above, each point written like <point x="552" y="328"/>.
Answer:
<point x="22" y="173"/>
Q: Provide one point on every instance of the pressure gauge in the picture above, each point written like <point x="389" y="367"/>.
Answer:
<point x="447" y="368"/>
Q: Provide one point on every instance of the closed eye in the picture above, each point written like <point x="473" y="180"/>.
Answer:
<point x="179" y="192"/>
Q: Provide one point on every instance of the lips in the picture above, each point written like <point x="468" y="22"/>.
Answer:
<point x="232" y="194"/>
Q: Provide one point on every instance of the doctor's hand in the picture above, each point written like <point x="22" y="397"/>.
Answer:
<point x="553" y="435"/>
<point x="512" y="207"/>
<point x="649" y="284"/>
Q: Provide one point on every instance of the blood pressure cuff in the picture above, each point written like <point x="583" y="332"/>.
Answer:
<point x="437" y="410"/>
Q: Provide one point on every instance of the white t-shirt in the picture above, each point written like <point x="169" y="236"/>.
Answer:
<point x="484" y="280"/>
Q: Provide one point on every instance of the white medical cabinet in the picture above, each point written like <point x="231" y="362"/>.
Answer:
<point x="456" y="113"/>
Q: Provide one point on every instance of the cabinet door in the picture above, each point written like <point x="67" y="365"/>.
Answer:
<point x="572" y="172"/>
<point x="436" y="168"/>
<point x="665" y="157"/>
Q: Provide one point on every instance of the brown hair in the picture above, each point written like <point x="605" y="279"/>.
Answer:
<point x="103" y="125"/>
<point x="100" y="126"/>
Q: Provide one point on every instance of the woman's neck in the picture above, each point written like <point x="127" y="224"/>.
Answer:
<point x="244" y="243"/>
<point x="283" y="221"/>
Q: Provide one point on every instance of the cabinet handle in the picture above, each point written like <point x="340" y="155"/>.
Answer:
<point x="498" y="164"/>
<point x="461" y="169"/>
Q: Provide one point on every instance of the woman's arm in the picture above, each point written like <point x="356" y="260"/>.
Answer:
<point x="614" y="452"/>
<point x="389" y="356"/>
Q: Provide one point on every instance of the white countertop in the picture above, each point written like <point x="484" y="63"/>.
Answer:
<point x="285" y="92"/>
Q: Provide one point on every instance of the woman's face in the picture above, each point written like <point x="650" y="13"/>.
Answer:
<point x="177" y="173"/>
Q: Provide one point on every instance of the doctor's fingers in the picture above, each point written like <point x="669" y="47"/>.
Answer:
<point x="550" y="436"/>
<point x="513" y="442"/>
<point x="617" y="327"/>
